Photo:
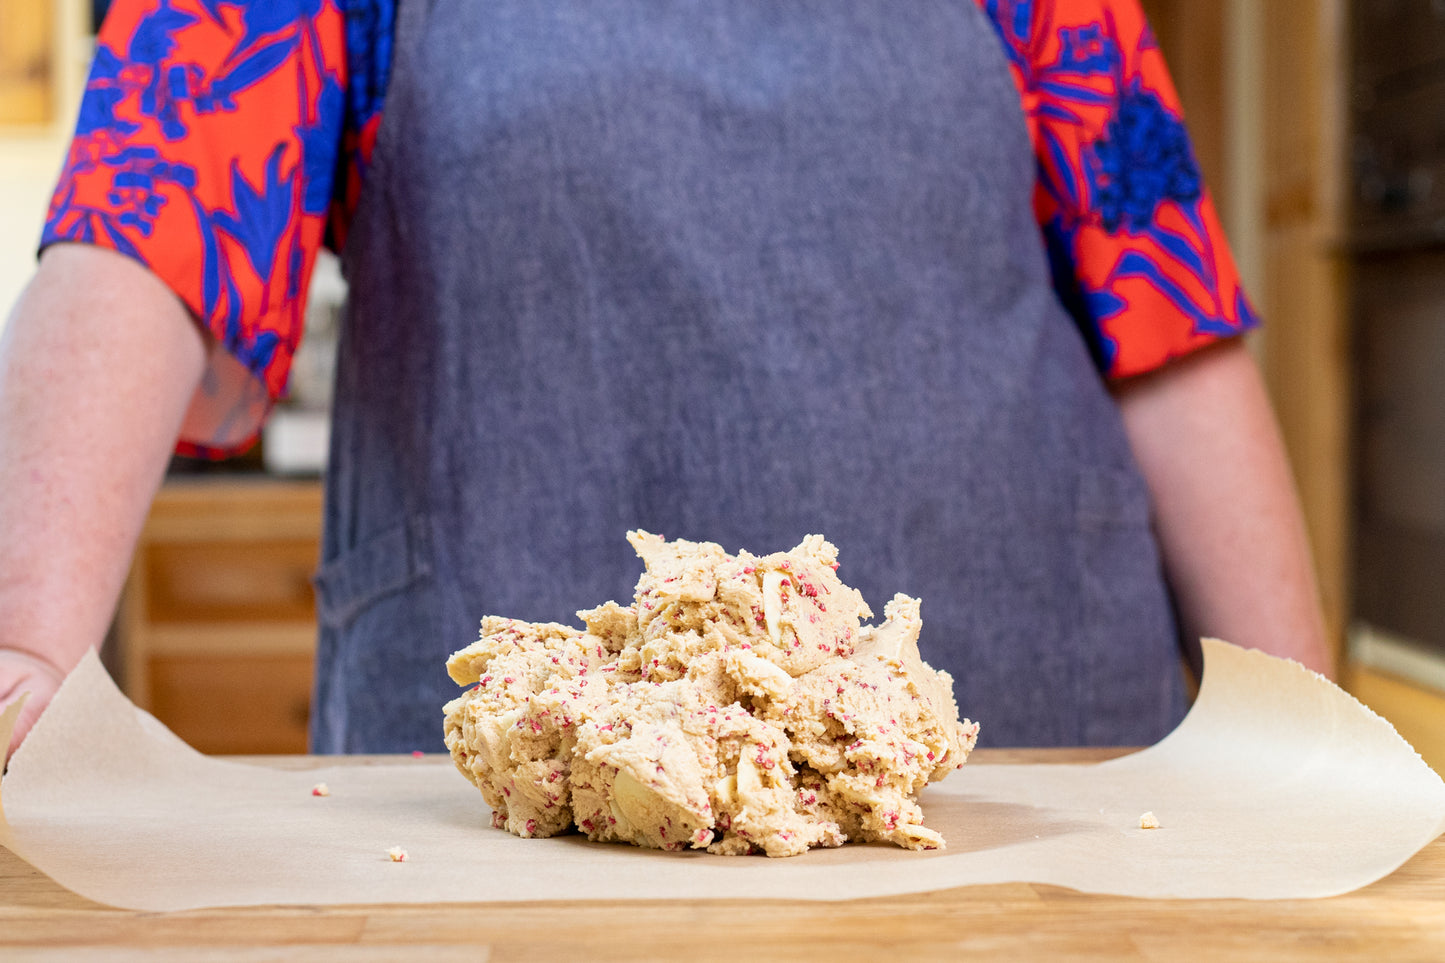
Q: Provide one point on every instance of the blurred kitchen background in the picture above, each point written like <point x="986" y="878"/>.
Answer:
<point x="1320" y="127"/>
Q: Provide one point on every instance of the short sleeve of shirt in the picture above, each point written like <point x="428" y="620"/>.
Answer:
<point x="207" y="148"/>
<point x="1137" y="251"/>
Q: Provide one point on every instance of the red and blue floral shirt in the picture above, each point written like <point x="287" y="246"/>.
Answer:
<point x="221" y="143"/>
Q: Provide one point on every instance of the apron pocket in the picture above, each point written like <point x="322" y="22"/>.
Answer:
<point x="379" y="566"/>
<point x="1131" y="682"/>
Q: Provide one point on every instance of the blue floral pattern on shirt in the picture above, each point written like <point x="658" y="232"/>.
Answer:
<point x="1144" y="158"/>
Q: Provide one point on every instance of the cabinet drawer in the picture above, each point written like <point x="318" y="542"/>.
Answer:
<point x="217" y="630"/>
<point x="234" y="705"/>
<point x="235" y="581"/>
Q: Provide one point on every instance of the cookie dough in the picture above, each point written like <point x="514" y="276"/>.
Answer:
<point x="738" y="705"/>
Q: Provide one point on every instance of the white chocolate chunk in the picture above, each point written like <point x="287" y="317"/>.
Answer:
<point x="773" y="605"/>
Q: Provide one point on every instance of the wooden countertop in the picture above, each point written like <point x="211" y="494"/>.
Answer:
<point x="1399" y="917"/>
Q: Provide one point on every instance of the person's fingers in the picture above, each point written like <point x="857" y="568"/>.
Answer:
<point x="22" y="673"/>
<point x="31" y="711"/>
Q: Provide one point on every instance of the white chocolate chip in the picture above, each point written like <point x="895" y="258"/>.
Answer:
<point x="773" y="604"/>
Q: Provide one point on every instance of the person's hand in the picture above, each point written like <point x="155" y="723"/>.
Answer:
<point x="22" y="672"/>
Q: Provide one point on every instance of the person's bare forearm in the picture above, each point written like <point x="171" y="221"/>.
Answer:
<point x="1228" y="517"/>
<point x="98" y="362"/>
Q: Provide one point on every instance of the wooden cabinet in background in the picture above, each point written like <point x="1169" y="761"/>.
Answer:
<point x="217" y="630"/>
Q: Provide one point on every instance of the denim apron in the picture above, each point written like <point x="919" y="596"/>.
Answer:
<point x="734" y="271"/>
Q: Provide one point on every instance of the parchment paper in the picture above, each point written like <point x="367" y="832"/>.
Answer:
<point x="1278" y="784"/>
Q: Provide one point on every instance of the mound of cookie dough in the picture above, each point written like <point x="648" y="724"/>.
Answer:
<point x="738" y="705"/>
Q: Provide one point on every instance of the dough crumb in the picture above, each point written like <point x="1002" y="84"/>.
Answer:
<point x="397" y="854"/>
<point x="1149" y="821"/>
<point x="738" y="704"/>
<point x="321" y="789"/>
